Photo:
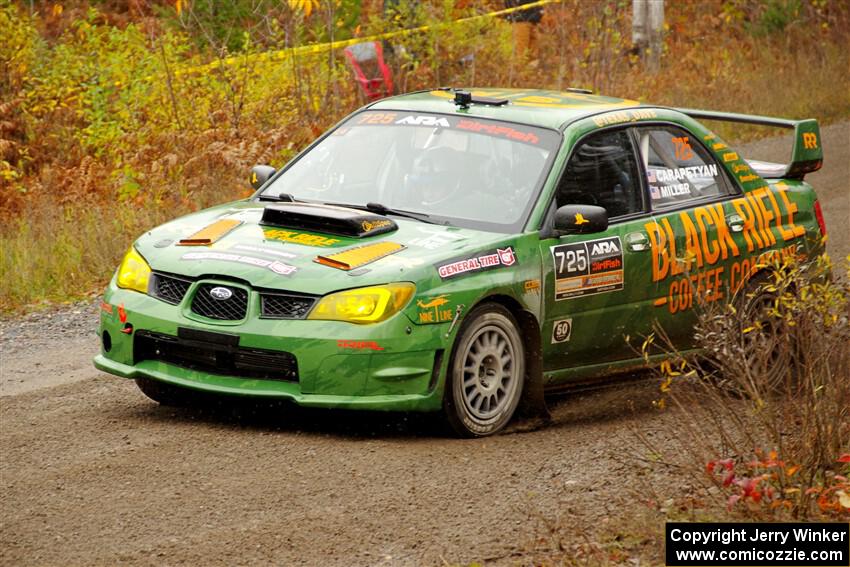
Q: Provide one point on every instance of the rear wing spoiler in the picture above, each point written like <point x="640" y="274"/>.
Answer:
<point x="807" y="153"/>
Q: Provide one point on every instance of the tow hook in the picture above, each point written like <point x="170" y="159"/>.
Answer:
<point x="455" y="319"/>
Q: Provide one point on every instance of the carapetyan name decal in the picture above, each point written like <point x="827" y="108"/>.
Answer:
<point x="585" y="268"/>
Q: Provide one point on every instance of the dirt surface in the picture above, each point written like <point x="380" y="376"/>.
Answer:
<point x="93" y="473"/>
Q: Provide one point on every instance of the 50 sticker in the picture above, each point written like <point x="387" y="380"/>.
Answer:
<point x="585" y="268"/>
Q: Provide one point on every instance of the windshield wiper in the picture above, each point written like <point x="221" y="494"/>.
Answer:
<point x="385" y="210"/>
<point x="279" y="198"/>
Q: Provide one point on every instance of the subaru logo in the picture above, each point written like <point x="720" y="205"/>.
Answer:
<point x="221" y="293"/>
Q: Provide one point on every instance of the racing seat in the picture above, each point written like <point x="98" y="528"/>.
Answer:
<point x="598" y="175"/>
<point x="370" y="54"/>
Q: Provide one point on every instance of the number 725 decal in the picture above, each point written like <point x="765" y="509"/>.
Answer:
<point x="585" y="268"/>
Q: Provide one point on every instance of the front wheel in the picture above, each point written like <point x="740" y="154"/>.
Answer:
<point x="486" y="373"/>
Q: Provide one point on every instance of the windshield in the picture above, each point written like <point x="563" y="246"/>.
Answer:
<point x="461" y="171"/>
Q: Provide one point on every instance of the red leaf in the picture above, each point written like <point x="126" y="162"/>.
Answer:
<point x="845" y="458"/>
<point x="732" y="501"/>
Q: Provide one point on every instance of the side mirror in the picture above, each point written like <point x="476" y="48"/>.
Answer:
<point x="580" y="219"/>
<point x="260" y="174"/>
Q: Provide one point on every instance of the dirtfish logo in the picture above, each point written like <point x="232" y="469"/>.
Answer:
<point x="424" y="121"/>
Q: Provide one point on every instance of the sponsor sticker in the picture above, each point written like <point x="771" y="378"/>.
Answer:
<point x="501" y="257"/>
<point x="369" y="226"/>
<point x="586" y="268"/>
<point x="561" y="331"/>
<point x="298" y="237"/>
<point x="498" y="130"/>
<point x="275" y="266"/>
<point x="531" y="286"/>
<point x="423" y="121"/>
<point x="434" y="310"/>
<point x="359" y="345"/>
<point x="436" y="240"/>
<point x="264" y="250"/>
<point x="810" y="141"/>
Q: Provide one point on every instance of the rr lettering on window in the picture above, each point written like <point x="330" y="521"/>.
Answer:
<point x="683" y="148"/>
<point x="810" y="140"/>
<point x="377" y="118"/>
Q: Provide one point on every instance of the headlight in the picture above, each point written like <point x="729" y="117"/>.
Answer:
<point x="364" y="305"/>
<point x="134" y="272"/>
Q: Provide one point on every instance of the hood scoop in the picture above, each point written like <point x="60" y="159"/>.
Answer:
<point x="327" y="219"/>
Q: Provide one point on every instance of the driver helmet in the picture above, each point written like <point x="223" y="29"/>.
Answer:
<point x="436" y="176"/>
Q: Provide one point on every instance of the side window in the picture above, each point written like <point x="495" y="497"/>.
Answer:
<point x="678" y="168"/>
<point x="603" y="171"/>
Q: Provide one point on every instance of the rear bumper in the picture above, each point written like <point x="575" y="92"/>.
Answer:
<point x="393" y="365"/>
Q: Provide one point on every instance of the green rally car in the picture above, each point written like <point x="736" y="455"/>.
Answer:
<point x="457" y="251"/>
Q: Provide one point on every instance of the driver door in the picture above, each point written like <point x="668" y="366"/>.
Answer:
<point x="598" y="287"/>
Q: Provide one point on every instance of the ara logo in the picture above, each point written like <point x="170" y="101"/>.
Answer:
<point x="604" y="247"/>
<point x="424" y="121"/>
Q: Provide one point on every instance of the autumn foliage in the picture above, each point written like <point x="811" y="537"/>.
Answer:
<point x="117" y="116"/>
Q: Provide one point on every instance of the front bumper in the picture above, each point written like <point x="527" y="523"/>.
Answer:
<point x="394" y="365"/>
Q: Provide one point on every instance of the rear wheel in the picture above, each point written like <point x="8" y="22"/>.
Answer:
<point x="163" y="393"/>
<point x="767" y="348"/>
<point x="486" y="373"/>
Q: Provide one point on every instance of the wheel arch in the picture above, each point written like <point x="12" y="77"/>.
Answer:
<point x="532" y="403"/>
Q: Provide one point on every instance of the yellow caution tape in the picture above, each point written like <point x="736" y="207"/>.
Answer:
<point x="312" y="49"/>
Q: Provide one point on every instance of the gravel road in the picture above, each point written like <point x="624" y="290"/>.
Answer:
<point x="93" y="473"/>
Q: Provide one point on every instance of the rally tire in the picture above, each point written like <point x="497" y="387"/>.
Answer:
<point x="768" y="350"/>
<point x="486" y="373"/>
<point x="163" y="393"/>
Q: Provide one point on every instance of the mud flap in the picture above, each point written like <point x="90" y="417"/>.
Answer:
<point x="533" y="403"/>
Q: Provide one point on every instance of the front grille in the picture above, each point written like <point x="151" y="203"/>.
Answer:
<point x="285" y="306"/>
<point x="233" y="308"/>
<point x="215" y="357"/>
<point x="168" y="288"/>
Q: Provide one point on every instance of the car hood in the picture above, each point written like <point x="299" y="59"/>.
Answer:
<point x="234" y="241"/>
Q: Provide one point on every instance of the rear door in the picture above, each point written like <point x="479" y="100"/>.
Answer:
<point x="695" y="231"/>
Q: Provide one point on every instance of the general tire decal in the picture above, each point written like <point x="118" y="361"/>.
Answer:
<point x="586" y="268"/>
<point x="499" y="258"/>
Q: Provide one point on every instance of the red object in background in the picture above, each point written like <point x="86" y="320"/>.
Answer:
<point x="363" y="53"/>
